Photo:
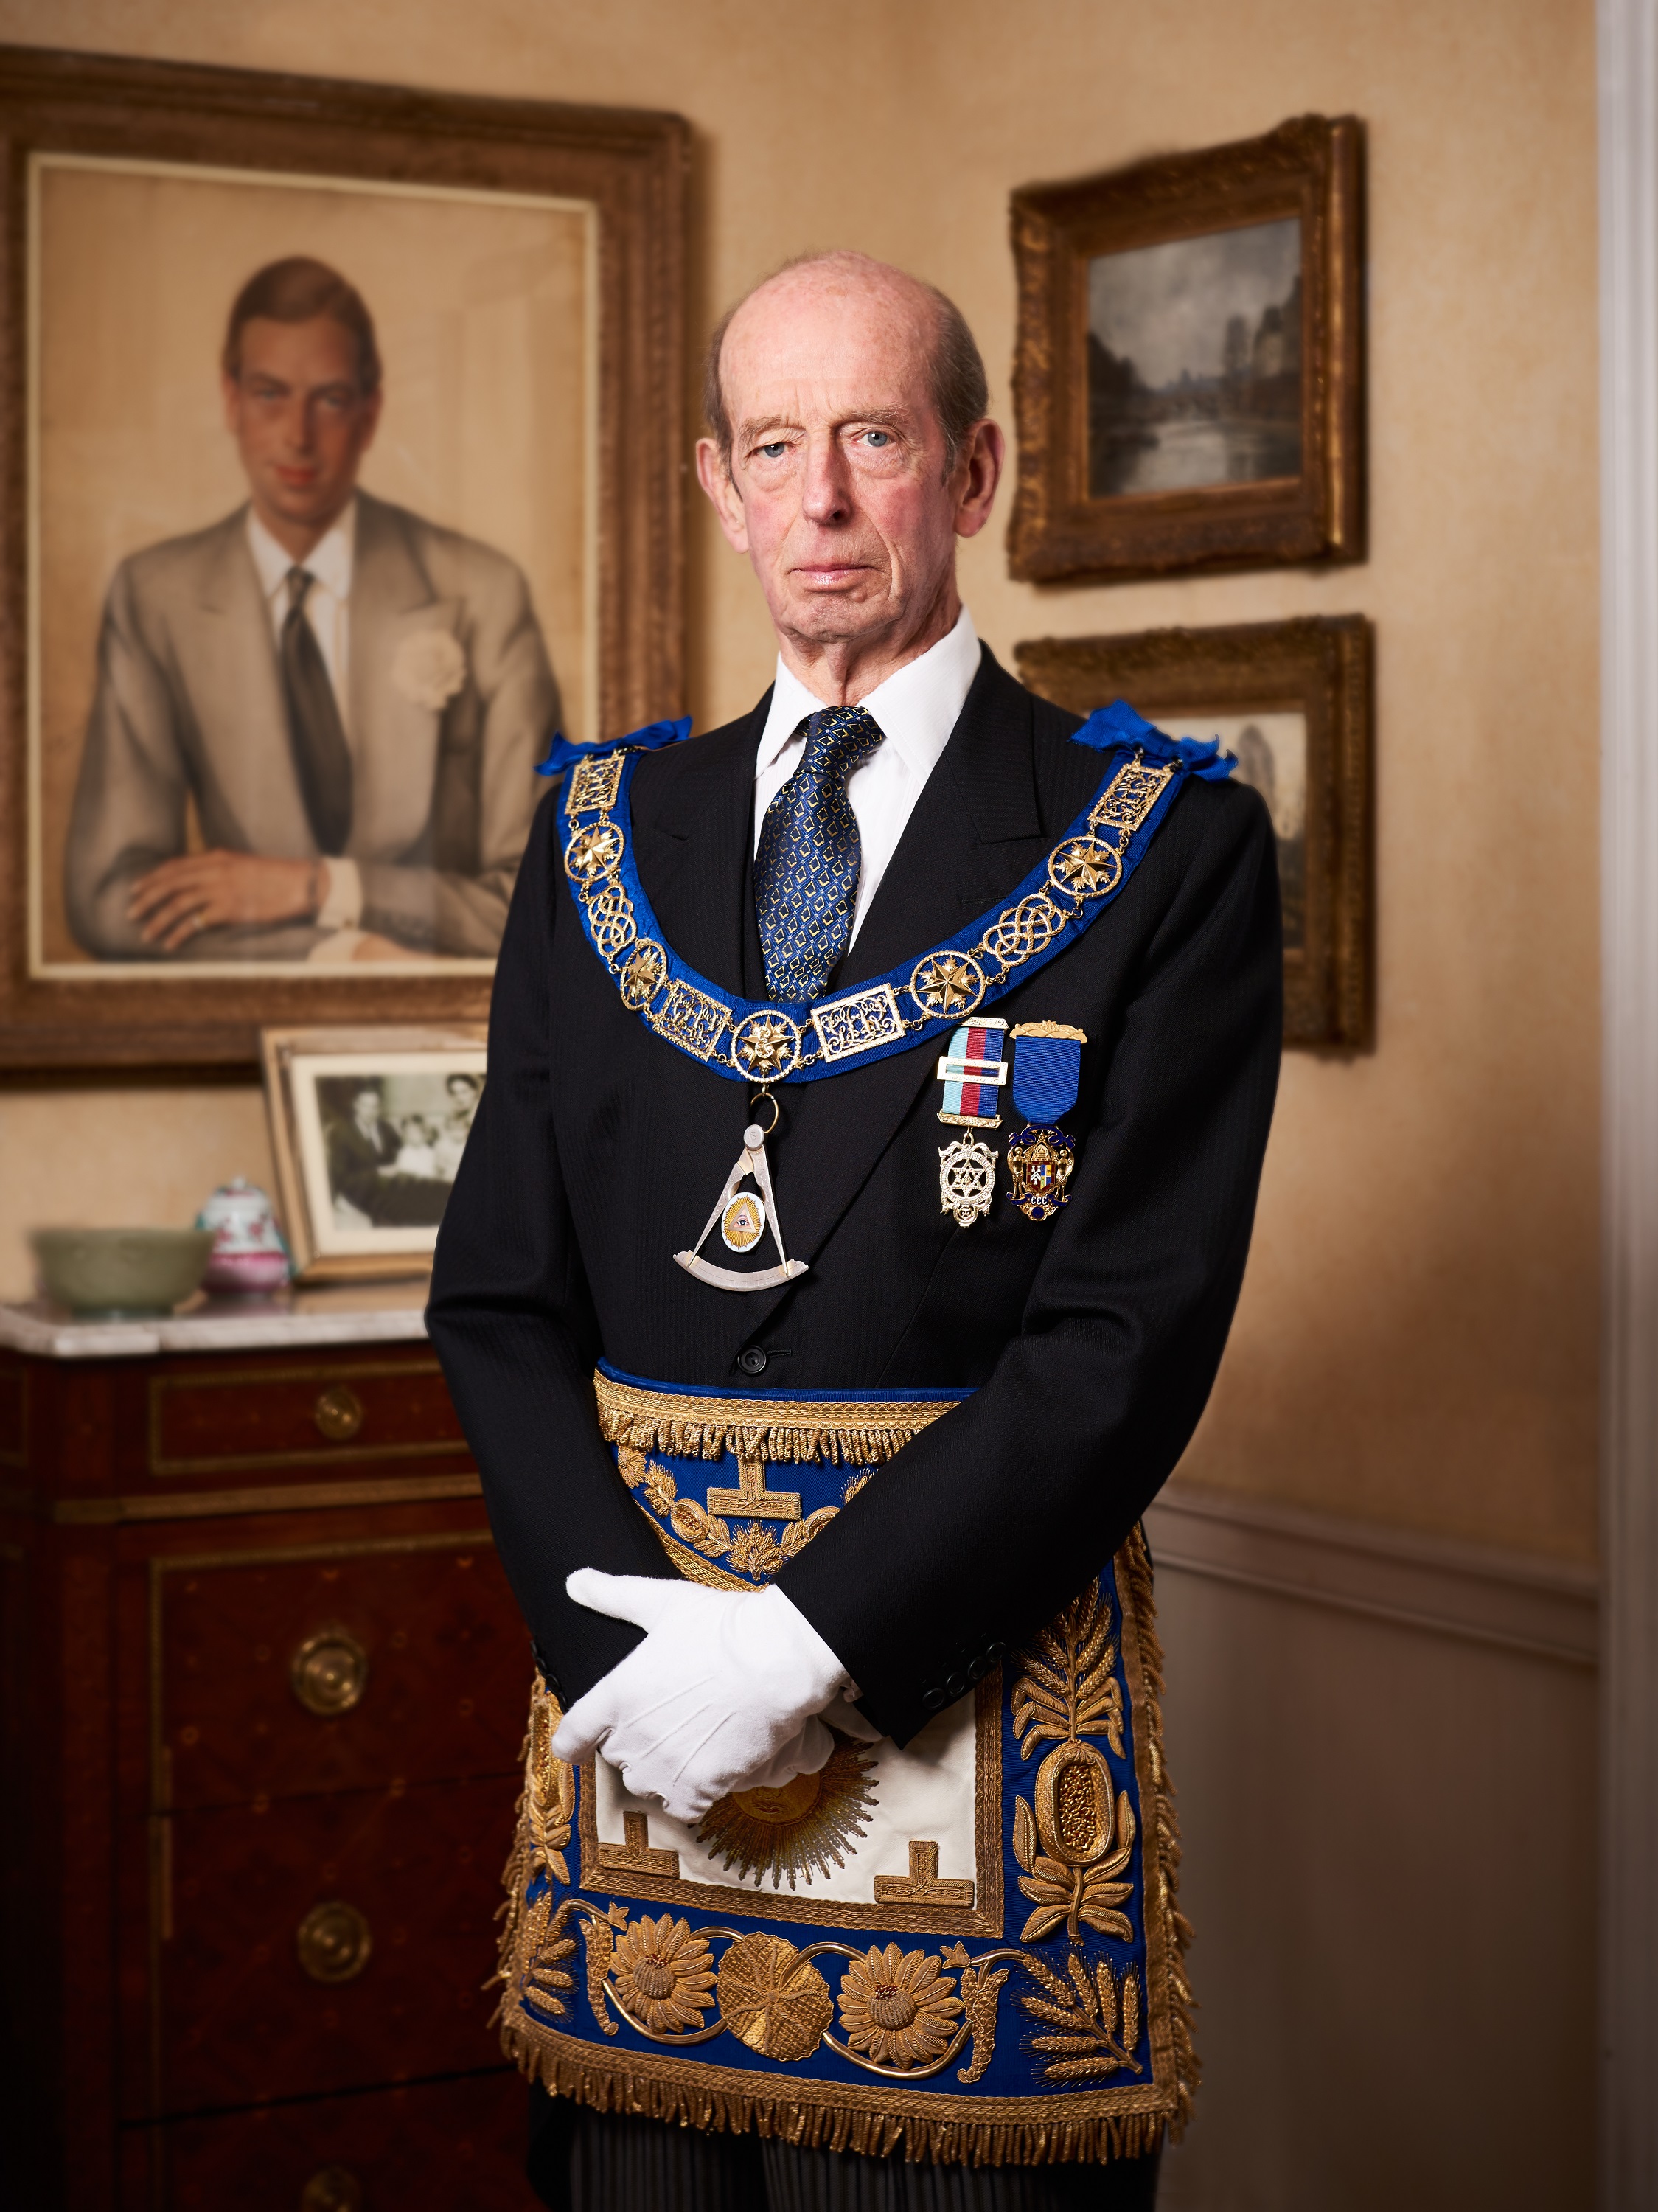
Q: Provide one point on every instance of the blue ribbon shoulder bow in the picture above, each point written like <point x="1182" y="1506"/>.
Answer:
<point x="1119" y="725"/>
<point x="561" y="754"/>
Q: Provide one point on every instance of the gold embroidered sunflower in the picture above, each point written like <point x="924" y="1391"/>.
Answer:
<point x="897" y="2005"/>
<point x="663" y="1974"/>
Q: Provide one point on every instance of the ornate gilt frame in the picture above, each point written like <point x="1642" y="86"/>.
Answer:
<point x="1310" y="167"/>
<point x="631" y="165"/>
<point x="1319" y="665"/>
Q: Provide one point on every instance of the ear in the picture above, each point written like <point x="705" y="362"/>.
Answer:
<point x="716" y="480"/>
<point x="980" y="470"/>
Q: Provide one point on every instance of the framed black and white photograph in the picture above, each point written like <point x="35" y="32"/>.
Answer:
<point x="367" y="1128"/>
<point x="1189" y="380"/>
<point x="1291" y="703"/>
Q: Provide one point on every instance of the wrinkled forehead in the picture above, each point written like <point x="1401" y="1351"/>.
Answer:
<point x="807" y="346"/>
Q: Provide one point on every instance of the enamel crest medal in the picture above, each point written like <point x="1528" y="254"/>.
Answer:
<point x="1046" y="1069"/>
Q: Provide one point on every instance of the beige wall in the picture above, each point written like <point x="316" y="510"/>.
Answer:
<point x="1417" y="1338"/>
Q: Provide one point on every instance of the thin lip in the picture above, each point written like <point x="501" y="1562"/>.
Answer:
<point x="834" y="569"/>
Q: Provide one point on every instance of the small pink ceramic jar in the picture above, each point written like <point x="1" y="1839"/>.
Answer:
<point x="249" y="1256"/>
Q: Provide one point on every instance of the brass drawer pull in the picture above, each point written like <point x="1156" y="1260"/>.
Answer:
<point x="334" y="2189"/>
<point x="334" y="1942"/>
<point x="330" y="1673"/>
<point x="339" y="1412"/>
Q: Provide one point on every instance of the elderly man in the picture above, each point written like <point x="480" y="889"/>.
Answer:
<point x="350" y="699"/>
<point x="858" y="1864"/>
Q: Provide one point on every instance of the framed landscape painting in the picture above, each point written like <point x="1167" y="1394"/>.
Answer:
<point x="347" y="426"/>
<point x="1189" y="378"/>
<point x="1291" y="701"/>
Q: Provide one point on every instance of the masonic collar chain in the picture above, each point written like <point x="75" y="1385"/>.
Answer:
<point x="945" y="990"/>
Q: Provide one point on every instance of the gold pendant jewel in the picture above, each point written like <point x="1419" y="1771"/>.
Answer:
<point x="1039" y="1164"/>
<point x="967" y="1180"/>
<point x="742" y="1218"/>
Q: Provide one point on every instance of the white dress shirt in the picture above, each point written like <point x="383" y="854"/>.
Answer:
<point x="917" y="709"/>
<point x="328" y="610"/>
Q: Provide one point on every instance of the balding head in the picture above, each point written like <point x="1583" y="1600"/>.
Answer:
<point x="955" y="369"/>
<point x="850" y="451"/>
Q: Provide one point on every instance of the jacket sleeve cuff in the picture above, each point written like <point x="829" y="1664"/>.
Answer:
<point x="341" y="906"/>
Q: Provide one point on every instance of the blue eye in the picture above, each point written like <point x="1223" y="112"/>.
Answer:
<point x="879" y="437"/>
<point x="774" y="450"/>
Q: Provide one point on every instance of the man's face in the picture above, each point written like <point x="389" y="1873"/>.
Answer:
<point x="837" y="490"/>
<point x="302" y="422"/>
<point x="367" y="1104"/>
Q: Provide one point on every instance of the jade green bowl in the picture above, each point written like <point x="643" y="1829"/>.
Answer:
<point x="121" y="1273"/>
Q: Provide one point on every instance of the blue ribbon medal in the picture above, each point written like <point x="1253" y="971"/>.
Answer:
<point x="1048" y="1058"/>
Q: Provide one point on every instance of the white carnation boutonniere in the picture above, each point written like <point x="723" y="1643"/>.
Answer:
<point x="428" y="668"/>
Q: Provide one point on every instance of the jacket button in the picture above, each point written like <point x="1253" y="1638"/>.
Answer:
<point x="753" y="1361"/>
<point x="979" y="1669"/>
<point x="956" y="1685"/>
<point x="933" y="1699"/>
<point x="993" y="1652"/>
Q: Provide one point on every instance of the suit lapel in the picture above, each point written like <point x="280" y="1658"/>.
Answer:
<point x="693" y="828"/>
<point x="968" y="840"/>
<point x="393" y="731"/>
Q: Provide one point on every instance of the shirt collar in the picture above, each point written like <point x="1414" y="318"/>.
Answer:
<point x="329" y="559"/>
<point x="917" y="708"/>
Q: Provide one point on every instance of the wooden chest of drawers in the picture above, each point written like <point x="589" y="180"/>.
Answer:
<point x="264" y="1687"/>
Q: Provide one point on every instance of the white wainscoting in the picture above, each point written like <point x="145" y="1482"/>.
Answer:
<point x="1385" y="1752"/>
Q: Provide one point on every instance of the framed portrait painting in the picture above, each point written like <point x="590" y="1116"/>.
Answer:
<point x="1189" y="381"/>
<point x="1291" y="701"/>
<point x="347" y="427"/>
<point x="367" y="1126"/>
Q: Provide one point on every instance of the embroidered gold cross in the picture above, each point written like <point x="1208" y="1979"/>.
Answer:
<point x="635" y="1854"/>
<point x="921" y="1884"/>
<point x="753" y="1496"/>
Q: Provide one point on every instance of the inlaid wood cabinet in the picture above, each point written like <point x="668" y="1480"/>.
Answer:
<point x="264" y="1689"/>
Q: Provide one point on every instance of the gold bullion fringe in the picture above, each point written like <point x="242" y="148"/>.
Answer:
<point x="865" y="1433"/>
<point x="614" y="2087"/>
<point x="1164" y="1823"/>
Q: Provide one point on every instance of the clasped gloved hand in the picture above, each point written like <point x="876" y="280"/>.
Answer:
<point x="724" y="1693"/>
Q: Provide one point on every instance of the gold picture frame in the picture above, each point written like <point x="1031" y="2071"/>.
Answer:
<point x="1292" y="700"/>
<point x="362" y="1186"/>
<point x="1188" y="380"/>
<point x="518" y="528"/>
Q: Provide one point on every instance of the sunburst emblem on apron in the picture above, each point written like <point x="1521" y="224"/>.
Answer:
<point x="808" y="1823"/>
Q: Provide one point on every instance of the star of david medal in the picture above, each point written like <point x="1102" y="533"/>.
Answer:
<point x="742" y="1217"/>
<point x="973" y="1072"/>
<point x="1046" y="1069"/>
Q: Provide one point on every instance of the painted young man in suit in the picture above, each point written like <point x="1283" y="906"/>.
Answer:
<point x="353" y="699"/>
<point x="774" y="931"/>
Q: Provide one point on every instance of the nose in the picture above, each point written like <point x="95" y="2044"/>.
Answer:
<point x="827" y="495"/>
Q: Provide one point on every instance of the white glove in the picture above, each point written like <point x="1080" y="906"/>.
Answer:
<point x="723" y="1694"/>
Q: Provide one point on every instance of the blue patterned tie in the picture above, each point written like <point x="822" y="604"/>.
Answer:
<point x="805" y="870"/>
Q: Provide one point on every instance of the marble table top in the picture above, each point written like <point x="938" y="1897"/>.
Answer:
<point x="346" y="1313"/>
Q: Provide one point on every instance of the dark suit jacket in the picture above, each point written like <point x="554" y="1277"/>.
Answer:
<point x="354" y="1161"/>
<point x="1091" y="1339"/>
